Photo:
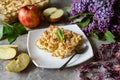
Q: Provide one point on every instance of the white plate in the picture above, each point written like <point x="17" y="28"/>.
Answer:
<point x="42" y="58"/>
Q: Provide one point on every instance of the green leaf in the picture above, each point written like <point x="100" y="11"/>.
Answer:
<point x="110" y="39"/>
<point x="11" y="32"/>
<point x="84" y="22"/>
<point x="12" y="38"/>
<point x="7" y="30"/>
<point x="77" y="20"/>
<point x="19" y="28"/>
<point x="77" y="15"/>
<point x="1" y="32"/>
<point x="60" y="34"/>
<point x="67" y="9"/>
<point x="81" y="14"/>
<point x="6" y="24"/>
<point x="95" y="35"/>
<point x="109" y="36"/>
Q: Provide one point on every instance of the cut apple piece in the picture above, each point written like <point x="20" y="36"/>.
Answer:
<point x="56" y="15"/>
<point x="53" y="14"/>
<point x="47" y="12"/>
<point x="18" y="64"/>
<point x="10" y="46"/>
<point x="8" y="51"/>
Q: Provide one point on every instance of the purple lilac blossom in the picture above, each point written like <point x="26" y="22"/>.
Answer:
<point x="107" y="65"/>
<point x="90" y="27"/>
<point x="77" y="7"/>
<point x="103" y="16"/>
<point x="93" y="6"/>
<point x="103" y="11"/>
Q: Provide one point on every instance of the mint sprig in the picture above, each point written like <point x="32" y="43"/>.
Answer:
<point x="60" y="34"/>
<point x="11" y="32"/>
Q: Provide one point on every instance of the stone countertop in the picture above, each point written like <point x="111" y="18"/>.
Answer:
<point x="34" y="73"/>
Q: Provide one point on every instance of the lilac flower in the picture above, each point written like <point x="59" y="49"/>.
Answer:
<point x="94" y="6"/>
<point x="78" y="6"/>
<point x="103" y="16"/>
<point x="106" y="13"/>
<point x="90" y="27"/>
<point x="106" y="67"/>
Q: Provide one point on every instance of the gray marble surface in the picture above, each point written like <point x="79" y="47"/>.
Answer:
<point x="34" y="73"/>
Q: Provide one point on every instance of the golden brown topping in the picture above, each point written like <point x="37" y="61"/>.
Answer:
<point x="59" y="48"/>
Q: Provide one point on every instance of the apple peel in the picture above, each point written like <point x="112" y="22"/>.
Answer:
<point x="29" y="16"/>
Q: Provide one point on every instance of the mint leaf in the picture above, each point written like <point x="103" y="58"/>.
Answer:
<point x="1" y="32"/>
<point x="109" y="36"/>
<point x="60" y="34"/>
<point x="7" y="30"/>
<point x="11" y="32"/>
<point x="12" y="38"/>
<point x="19" y="28"/>
<point x="84" y="22"/>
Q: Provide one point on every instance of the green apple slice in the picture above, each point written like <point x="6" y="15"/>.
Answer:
<point x="12" y="46"/>
<point x="47" y="12"/>
<point x="18" y="64"/>
<point x="8" y="51"/>
<point x="56" y="15"/>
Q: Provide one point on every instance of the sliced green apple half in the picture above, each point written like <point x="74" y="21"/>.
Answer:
<point x="18" y="64"/>
<point x="53" y="14"/>
<point x="47" y="12"/>
<point x="8" y="51"/>
<point x="56" y="15"/>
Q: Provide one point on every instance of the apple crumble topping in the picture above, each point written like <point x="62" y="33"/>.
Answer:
<point x="8" y="8"/>
<point x="59" y="47"/>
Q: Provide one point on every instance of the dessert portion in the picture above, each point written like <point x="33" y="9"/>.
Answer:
<point x="60" y="42"/>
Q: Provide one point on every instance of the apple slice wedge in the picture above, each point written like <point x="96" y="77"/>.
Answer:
<point x="53" y="14"/>
<point x="8" y="51"/>
<point x="18" y="64"/>
<point x="56" y="15"/>
<point x="47" y="12"/>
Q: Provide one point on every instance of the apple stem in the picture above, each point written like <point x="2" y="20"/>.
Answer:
<point x="28" y="7"/>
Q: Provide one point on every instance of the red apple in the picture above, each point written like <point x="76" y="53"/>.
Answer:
<point x="29" y="16"/>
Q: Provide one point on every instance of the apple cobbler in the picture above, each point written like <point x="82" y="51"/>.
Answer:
<point x="60" y="42"/>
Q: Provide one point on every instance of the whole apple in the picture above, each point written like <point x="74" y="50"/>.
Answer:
<point x="29" y="16"/>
